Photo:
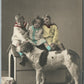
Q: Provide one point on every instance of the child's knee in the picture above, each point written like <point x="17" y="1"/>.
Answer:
<point x="18" y="49"/>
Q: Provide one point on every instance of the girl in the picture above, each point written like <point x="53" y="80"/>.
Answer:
<point x="36" y="32"/>
<point x="51" y="34"/>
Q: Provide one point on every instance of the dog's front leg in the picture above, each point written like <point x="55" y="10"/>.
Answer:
<point x="42" y="78"/>
<point x="38" y="76"/>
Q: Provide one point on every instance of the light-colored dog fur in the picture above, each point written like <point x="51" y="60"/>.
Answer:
<point x="54" y="61"/>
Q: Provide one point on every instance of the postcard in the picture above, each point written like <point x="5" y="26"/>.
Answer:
<point x="41" y="42"/>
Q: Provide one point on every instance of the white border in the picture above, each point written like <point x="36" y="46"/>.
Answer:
<point x="0" y="39"/>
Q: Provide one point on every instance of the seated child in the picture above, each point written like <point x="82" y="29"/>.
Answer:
<point x="36" y="38"/>
<point x="35" y="34"/>
<point x="51" y="34"/>
<point x="18" y="36"/>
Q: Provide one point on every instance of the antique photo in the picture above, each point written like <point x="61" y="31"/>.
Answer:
<point x="41" y="42"/>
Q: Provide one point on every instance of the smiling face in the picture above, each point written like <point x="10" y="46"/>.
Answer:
<point x="37" y="23"/>
<point x="19" y="19"/>
<point x="47" y="20"/>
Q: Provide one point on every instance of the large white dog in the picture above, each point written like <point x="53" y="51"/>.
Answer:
<point x="54" y="60"/>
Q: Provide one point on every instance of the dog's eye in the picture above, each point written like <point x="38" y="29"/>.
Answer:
<point x="52" y="57"/>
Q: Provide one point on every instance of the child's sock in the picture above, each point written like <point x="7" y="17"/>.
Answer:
<point x="22" y="59"/>
<point x="21" y="54"/>
<point x="47" y="46"/>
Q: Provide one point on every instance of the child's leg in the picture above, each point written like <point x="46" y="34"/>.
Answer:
<point x="61" y="46"/>
<point x="47" y="46"/>
<point x="19" y="51"/>
<point x="24" y="60"/>
<point x="42" y="47"/>
<point x="22" y="55"/>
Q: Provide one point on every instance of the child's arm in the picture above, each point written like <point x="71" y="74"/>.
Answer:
<point x="55" y="37"/>
<point x="27" y="26"/>
<point x="45" y="32"/>
<point x="18" y="33"/>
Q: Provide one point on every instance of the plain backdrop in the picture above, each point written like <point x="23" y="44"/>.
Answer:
<point x="67" y="14"/>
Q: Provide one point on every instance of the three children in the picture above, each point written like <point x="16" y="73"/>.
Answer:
<point x="41" y="33"/>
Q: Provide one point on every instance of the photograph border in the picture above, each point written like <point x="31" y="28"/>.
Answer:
<point x="82" y="40"/>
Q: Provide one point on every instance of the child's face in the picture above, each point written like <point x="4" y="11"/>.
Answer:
<point x="21" y="21"/>
<point x="47" y="21"/>
<point x="37" y="23"/>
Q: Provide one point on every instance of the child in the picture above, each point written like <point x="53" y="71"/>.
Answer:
<point x="19" y="36"/>
<point x="35" y="34"/>
<point x="51" y="34"/>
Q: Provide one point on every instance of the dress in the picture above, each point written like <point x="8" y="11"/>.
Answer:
<point x="50" y="33"/>
<point x="35" y="35"/>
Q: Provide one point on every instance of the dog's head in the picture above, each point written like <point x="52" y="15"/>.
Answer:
<point x="26" y="47"/>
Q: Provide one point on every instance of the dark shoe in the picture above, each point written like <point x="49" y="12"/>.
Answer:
<point x="24" y="60"/>
<point x="22" y="63"/>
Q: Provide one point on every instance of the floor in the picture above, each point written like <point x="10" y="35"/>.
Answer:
<point x="5" y="74"/>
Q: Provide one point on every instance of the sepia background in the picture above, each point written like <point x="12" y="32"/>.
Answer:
<point x="67" y="14"/>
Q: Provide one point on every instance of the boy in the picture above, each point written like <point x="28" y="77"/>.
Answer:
<point x="18" y="36"/>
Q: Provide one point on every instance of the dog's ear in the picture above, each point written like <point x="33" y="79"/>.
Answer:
<point x="24" y="46"/>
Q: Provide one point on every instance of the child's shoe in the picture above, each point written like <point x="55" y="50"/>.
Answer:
<point x="23" y="62"/>
<point x="24" y="59"/>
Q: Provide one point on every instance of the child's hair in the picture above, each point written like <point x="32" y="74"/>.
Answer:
<point x="47" y="16"/>
<point x="18" y="17"/>
<point x="42" y="22"/>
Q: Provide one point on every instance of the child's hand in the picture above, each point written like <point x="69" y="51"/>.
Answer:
<point x="22" y="31"/>
<point x="26" y="41"/>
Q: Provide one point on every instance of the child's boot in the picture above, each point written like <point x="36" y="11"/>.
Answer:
<point x="24" y="59"/>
